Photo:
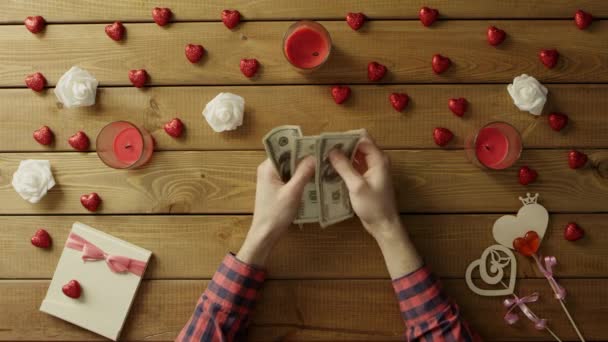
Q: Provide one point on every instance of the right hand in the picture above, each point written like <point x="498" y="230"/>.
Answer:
<point x="370" y="187"/>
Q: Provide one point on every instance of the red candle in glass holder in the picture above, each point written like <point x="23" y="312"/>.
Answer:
<point x="496" y="146"/>
<point x="307" y="45"/>
<point x="123" y="145"/>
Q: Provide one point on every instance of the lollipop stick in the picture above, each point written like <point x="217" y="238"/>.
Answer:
<point x="578" y="332"/>
<point x="553" y="334"/>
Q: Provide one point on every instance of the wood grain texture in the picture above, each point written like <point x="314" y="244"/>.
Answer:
<point x="271" y="106"/>
<point x="189" y="10"/>
<point x="220" y="182"/>
<point x="191" y="247"/>
<point x="405" y="47"/>
<point x="296" y="310"/>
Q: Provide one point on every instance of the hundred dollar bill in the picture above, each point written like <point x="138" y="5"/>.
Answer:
<point x="332" y="193"/>
<point x="309" y="205"/>
<point x="278" y="144"/>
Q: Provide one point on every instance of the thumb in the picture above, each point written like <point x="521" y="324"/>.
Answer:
<point x="304" y="172"/>
<point x="345" y="169"/>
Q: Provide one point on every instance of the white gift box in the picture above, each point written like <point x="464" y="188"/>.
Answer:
<point x="106" y="294"/>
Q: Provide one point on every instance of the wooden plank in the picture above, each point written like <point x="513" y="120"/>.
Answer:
<point x="405" y="47"/>
<point x="369" y="107"/>
<point x="220" y="182"/>
<point x="191" y="10"/>
<point x="310" y="310"/>
<point x="193" y="246"/>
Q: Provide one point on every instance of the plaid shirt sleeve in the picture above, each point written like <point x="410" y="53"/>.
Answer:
<point x="223" y="310"/>
<point x="428" y="313"/>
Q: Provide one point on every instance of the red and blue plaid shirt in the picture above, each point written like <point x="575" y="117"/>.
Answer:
<point x="223" y="310"/>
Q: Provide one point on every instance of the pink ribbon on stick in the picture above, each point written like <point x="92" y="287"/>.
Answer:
<point x="547" y="271"/>
<point x="516" y="302"/>
<point x="116" y="263"/>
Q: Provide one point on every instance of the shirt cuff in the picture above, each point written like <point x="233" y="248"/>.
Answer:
<point x="419" y="294"/>
<point x="235" y="285"/>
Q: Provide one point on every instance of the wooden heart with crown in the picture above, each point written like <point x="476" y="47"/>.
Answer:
<point x="531" y="217"/>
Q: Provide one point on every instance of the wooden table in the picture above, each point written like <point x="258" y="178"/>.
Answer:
<point x="193" y="203"/>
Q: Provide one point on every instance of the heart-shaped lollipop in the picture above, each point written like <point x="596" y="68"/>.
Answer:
<point x="528" y="244"/>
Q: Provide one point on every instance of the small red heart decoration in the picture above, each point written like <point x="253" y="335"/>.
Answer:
<point x="355" y="20"/>
<point x="231" y="18"/>
<point x="41" y="239"/>
<point x="375" y="71"/>
<point x="340" y="93"/>
<point x="496" y="35"/>
<point x="72" y="289"/>
<point x="527" y="175"/>
<point x="174" y="128"/>
<point x="528" y="245"/>
<point x="577" y="159"/>
<point x="399" y="101"/>
<point x="35" y="23"/>
<point x="43" y="135"/>
<point x="440" y="63"/>
<point x="428" y="15"/>
<point x="194" y="53"/>
<point x="249" y="67"/>
<point x="79" y="141"/>
<point x="138" y="77"/>
<point x="549" y="57"/>
<point x="582" y="19"/>
<point x="116" y="31"/>
<point x="558" y="121"/>
<point x="90" y="201"/>
<point x="442" y="136"/>
<point x="161" y="16"/>
<point x="35" y="81"/>
<point x="458" y="106"/>
<point x="573" y="232"/>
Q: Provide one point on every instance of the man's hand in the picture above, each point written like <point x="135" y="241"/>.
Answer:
<point x="276" y="206"/>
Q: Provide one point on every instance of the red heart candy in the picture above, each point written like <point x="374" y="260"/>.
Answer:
<point x="34" y="24"/>
<point x="174" y="128"/>
<point x="138" y="77"/>
<point x="35" y="81"/>
<point x="355" y="20"/>
<point x="458" y="106"/>
<point x="231" y="18"/>
<point x="375" y="71"/>
<point x="43" y="135"/>
<point x="582" y="19"/>
<point x="249" y="67"/>
<point x="72" y="289"/>
<point x="558" y="121"/>
<point x="549" y="57"/>
<point x="161" y="16"/>
<point x="399" y="101"/>
<point x="79" y="141"/>
<point x="90" y="201"/>
<point x="116" y="31"/>
<point x="41" y="239"/>
<point x="573" y="232"/>
<point x="495" y="35"/>
<point x="442" y="136"/>
<point x="194" y="53"/>
<point x="576" y="159"/>
<point x="527" y="175"/>
<point x="340" y="93"/>
<point x="440" y="64"/>
<point x="428" y="15"/>
<point x="528" y="245"/>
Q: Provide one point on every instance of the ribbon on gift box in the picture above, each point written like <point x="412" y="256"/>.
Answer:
<point x="116" y="263"/>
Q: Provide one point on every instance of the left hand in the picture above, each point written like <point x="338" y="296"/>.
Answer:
<point x="276" y="206"/>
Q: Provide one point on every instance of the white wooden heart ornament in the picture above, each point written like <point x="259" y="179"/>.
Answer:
<point x="498" y="258"/>
<point x="531" y="216"/>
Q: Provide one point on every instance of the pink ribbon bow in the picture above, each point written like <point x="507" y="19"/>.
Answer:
<point x="547" y="271"/>
<point x="116" y="263"/>
<point x="512" y="303"/>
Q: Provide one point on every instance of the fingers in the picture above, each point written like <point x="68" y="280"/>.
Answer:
<point x="373" y="155"/>
<point x="345" y="169"/>
<point x="303" y="174"/>
<point x="266" y="170"/>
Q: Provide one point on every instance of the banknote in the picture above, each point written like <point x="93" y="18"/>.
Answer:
<point x="332" y="193"/>
<point x="278" y="144"/>
<point x="309" y="205"/>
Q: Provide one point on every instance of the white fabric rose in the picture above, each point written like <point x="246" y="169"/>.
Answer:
<point x="528" y="94"/>
<point x="33" y="179"/>
<point x="225" y="112"/>
<point x="76" y="88"/>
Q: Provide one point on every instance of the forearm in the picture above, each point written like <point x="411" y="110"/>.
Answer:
<point x="399" y="253"/>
